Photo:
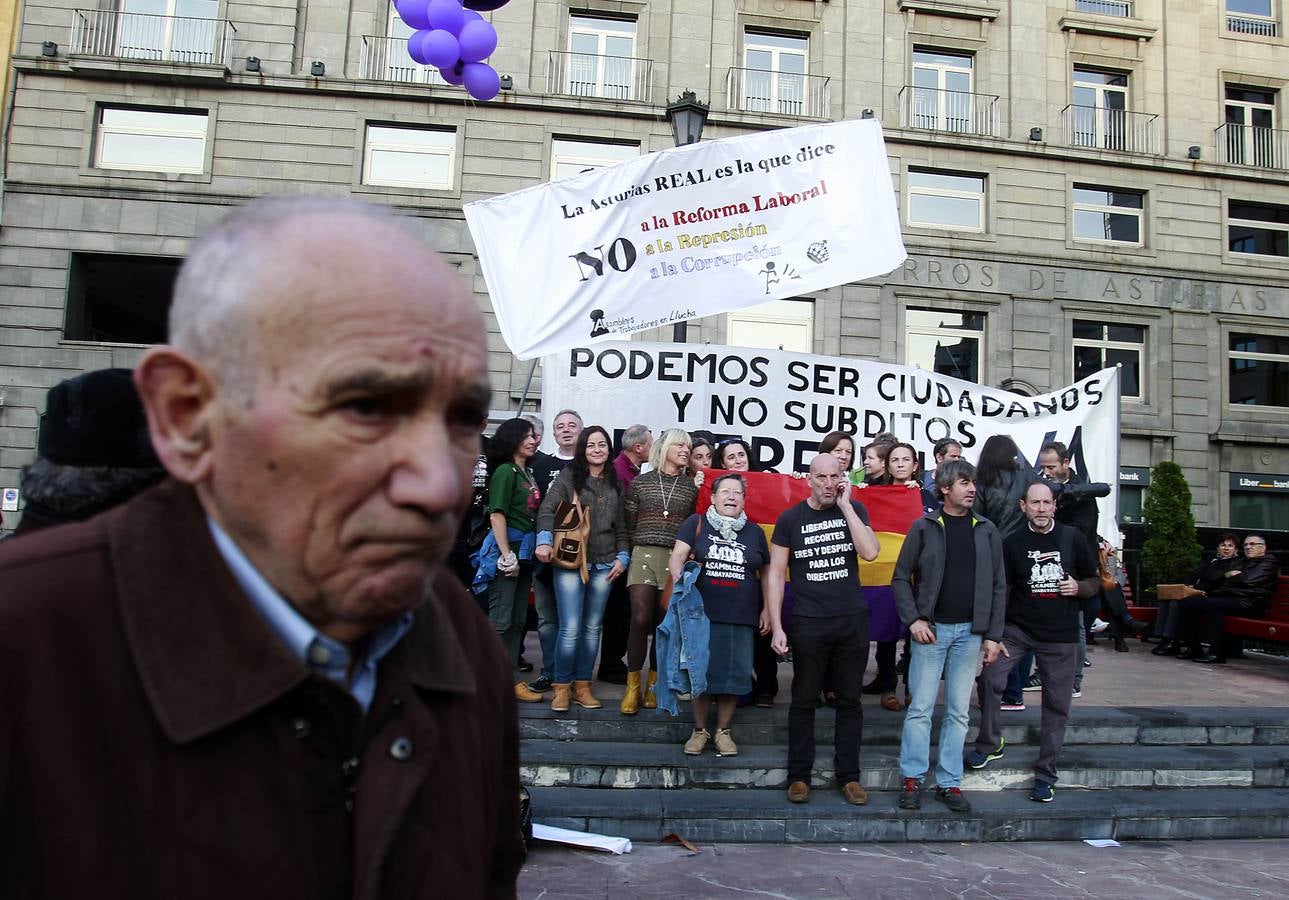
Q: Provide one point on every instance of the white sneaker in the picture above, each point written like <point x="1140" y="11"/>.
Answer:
<point x="1099" y="626"/>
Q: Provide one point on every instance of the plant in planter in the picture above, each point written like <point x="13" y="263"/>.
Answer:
<point x="1171" y="551"/>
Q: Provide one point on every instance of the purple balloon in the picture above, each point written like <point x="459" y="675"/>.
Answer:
<point x="446" y="15"/>
<point x="484" y="5"/>
<point x="453" y="75"/>
<point x="481" y="80"/>
<point x="413" y="14"/>
<point x="440" y="49"/>
<point x="472" y="16"/>
<point x="478" y="40"/>
<point x="414" y="48"/>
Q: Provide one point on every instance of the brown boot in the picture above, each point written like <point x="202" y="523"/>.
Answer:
<point x="631" y="699"/>
<point x="560" y="703"/>
<point x="583" y="697"/>
<point x="524" y="694"/>
<point x="650" y="698"/>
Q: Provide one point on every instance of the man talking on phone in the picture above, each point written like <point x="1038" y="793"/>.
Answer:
<point x="1049" y="567"/>
<point x="817" y="541"/>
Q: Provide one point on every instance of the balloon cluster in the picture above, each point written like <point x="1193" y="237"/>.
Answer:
<point x="454" y="39"/>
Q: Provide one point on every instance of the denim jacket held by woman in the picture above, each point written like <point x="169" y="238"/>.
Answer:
<point x="682" y="643"/>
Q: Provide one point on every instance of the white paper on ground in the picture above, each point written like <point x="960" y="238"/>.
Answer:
<point x="617" y="845"/>
<point x="1100" y="842"/>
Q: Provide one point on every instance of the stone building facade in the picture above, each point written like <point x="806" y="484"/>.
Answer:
<point x="1081" y="182"/>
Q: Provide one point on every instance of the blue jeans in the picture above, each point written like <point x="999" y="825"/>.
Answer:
<point x="581" y="614"/>
<point x="955" y="653"/>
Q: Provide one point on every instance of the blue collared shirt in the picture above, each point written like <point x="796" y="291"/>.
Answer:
<point x="323" y="655"/>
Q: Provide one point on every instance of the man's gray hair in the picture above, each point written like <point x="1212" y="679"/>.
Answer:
<point x="569" y="412"/>
<point x="635" y="434"/>
<point x="220" y="277"/>
<point x="536" y="421"/>
<point x="950" y="471"/>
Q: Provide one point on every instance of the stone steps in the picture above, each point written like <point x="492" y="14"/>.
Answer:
<point x="604" y="764"/>
<point x="763" y="815"/>
<point x="1126" y="773"/>
<point x="1088" y="725"/>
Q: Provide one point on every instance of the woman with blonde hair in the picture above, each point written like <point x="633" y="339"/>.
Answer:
<point x="657" y="504"/>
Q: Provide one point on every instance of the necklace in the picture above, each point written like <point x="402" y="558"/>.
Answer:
<point x="666" y="498"/>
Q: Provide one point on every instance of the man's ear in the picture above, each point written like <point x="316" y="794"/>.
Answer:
<point x="178" y="394"/>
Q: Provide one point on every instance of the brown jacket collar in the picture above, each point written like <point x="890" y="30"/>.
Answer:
<point x="205" y="657"/>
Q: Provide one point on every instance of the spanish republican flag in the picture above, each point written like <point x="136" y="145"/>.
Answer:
<point x="892" y="509"/>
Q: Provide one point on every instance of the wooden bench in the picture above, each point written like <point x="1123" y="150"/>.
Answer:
<point x="1272" y="625"/>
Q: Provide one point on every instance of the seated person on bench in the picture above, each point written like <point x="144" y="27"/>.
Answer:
<point x="1208" y="577"/>
<point x="1244" y="592"/>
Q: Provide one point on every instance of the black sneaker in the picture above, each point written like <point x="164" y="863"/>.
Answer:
<point x="540" y="685"/>
<point x="1042" y="792"/>
<point x="911" y="794"/>
<point x="524" y="665"/>
<point x="952" y="798"/>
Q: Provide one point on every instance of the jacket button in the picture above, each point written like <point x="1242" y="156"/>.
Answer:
<point x="401" y="749"/>
<point x="300" y="728"/>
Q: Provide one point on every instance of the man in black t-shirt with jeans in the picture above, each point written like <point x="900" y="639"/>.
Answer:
<point x="817" y="540"/>
<point x="1049" y="567"/>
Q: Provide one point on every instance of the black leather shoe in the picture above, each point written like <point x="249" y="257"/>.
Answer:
<point x="1120" y="645"/>
<point x="1207" y="658"/>
<point x="1167" y="648"/>
<point x="1187" y="653"/>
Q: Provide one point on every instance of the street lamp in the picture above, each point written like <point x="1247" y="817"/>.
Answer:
<point x="687" y="115"/>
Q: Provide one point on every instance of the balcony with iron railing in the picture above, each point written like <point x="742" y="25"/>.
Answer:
<point x="598" y="75"/>
<point x="175" y="39"/>
<point x="386" y="59"/>
<point x="782" y="93"/>
<point x="959" y="112"/>
<point x="1252" y="145"/>
<point x="1119" y="8"/>
<point x="1260" y="26"/>
<point x="1105" y="128"/>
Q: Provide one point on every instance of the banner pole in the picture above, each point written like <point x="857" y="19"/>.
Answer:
<point x="527" y="385"/>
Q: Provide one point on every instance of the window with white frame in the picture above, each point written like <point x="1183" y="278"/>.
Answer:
<point x="601" y="61"/>
<point x="950" y="200"/>
<point x="395" y="64"/>
<point x="570" y="157"/>
<point x="1100" y="108"/>
<point x="1257" y="17"/>
<point x="395" y="156"/>
<point x="777" y="325"/>
<point x="1120" y="8"/>
<point x="942" y="85"/>
<point x="1108" y="215"/>
<point x="1099" y="345"/>
<point x="150" y="140"/>
<point x="775" y="65"/>
<point x="945" y="341"/>
<point x="1258" y="369"/>
<point x="1259" y="229"/>
<point x="1250" y="128"/>
<point x="175" y="30"/>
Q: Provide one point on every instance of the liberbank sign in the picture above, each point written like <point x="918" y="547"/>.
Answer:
<point x="1068" y="283"/>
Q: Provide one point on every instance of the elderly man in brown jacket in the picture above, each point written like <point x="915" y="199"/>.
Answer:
<point x="255" y="680"/>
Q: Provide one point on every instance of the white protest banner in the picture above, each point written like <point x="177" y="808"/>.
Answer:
<point x="784" y="404"/>
<point x="688" y="232"/>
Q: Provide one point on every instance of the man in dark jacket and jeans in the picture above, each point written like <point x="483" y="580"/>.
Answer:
<point x="1049" y="567"/>
<point x="947" y="619"/>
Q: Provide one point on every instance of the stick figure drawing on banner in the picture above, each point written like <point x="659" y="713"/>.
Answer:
<point x="772" y="276"/>
<point x="597" y="323"/>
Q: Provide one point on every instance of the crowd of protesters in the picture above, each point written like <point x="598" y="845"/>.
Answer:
<point x="1027" y="581"/>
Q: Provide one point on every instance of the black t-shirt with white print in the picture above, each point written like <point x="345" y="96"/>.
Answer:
<point x="821" y="560"/>
<point x="1036" y="563"/>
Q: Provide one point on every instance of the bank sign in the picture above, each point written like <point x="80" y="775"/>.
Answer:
<point x="687" y="232"/>
<point x="784" y="403"/>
